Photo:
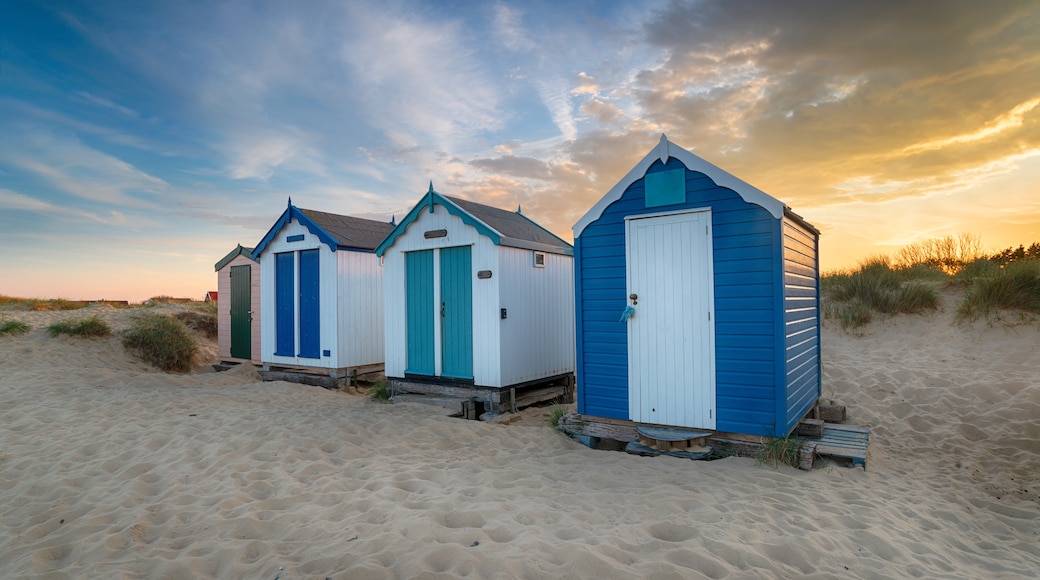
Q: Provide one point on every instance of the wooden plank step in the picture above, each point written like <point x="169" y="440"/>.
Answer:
<point x="847" y="441"/>
<point x="671" y="433"/>
<point x="636" y="448"/>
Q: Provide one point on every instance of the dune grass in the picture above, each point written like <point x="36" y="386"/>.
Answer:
<point x="556" y="413"/>
<point x="779" y="451"/>
<point x="202" y="318"/>
<point x="1016" y="286"/>
<point x="379" y="391"/>
<point x="86" y="328"/>
<point x="40" y="304"/>
<point x="13" y="327"/>
<point x="878" y="287"/>
<point x="162" y="341"/>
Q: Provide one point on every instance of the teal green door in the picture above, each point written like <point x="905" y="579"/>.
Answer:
<point x="420" y="312"/>
<point x="241" y="319"/>
<point x="456" y="313"/>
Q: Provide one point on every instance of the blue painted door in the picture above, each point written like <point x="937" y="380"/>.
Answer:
<point x="456" y="313"/>
<point x="285" y="304"/>
<point x="420" y="312"/>
<point x="310" y="305"/>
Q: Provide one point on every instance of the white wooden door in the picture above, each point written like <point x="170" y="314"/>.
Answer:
<point x="671" y="336"/>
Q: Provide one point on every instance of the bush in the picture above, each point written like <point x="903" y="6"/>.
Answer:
<point x="202" y="319"/>
<point x="13" y="327"/>
<point x="163" y="341"/>
<point x="556" y="413"/>
<point x="947" y="254"/>
<point x="779" y="452"/>
<point x="1014" y="287"/>
<point x="379" y="391"/>
<point x="88" y="327"/>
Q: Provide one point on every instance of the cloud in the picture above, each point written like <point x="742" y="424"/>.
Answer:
<point x="14" y="201"/>
<point x="81" y="171"/>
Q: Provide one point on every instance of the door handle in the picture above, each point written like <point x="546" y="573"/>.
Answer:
<point x="634" y="298"/>
<point x="442" y="310"/>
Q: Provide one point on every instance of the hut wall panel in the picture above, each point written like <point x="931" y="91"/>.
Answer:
<point x="484" y="256"/>
<point x="538" y="332"/>
<point x="746" y="268"/>
<point x="802" y="320"/>
<point x="224" y="310"/>
<point x="360" y="323"/>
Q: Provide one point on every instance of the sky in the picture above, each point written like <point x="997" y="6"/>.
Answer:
<point x="140" y="142"/>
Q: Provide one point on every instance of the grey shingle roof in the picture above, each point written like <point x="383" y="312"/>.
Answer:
<point x="351" y="232"/>
<point x="509" y="224"/>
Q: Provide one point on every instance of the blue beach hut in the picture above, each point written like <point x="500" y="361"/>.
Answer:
<point x="697" y="302"/>
<point x="321" y="293"/>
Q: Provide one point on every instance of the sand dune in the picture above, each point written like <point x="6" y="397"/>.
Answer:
<point x="109" y="468"/>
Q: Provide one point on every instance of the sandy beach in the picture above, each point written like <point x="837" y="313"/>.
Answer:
<point x="112" y="469"/>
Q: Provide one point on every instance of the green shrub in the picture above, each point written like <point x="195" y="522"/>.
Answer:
<point x="379" y="391"/>
<point x="780" y="451"/>
<point x="13" y="327"/>
<point x="556" y="413"/>
<point x="88" y="327"/>
<point x="1014" y="287"/>
<point x="163" y="341"/>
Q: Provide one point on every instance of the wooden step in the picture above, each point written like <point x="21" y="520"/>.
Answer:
<point x="636" y="448"/>
<point x="673" y="438"/>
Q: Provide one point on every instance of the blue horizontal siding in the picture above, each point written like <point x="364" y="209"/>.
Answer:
<point x="747" y="279"/>
<point x="802" y="321"/>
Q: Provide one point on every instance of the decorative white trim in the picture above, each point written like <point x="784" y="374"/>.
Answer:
<point x="665" y="149"/>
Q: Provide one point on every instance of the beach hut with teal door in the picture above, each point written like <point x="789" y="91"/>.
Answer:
<point x="478" y="302"/>
<point x="238" y="307"/>
<point x="697" y="299"/>
<point x="321" y="292"/>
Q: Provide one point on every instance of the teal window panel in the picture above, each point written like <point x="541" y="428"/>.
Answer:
<point x="665" y="188"/>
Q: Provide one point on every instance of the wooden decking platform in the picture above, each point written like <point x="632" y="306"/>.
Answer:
<point x="848" y="441"/>
<point x="499" y="400"/>
<point x="319" y="377"/>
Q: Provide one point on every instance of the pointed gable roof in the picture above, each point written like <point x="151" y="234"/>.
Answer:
<point x="662" y="152"/>
<point x="240" y="250"/>
<point x="338" y="232"/>
<point x="503" y="227"/>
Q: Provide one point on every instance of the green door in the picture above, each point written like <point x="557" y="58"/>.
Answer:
<point x="241" y="318"/>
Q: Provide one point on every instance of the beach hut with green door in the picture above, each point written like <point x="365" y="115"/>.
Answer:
<point x="238" y="307"/>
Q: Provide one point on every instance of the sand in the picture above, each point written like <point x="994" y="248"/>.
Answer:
<point x="111" y="469"/>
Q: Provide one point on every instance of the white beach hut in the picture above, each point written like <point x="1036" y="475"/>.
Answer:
<point x="479" y="302"/>
<point x="321" y="292"/>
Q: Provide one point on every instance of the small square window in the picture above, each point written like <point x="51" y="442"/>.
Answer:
<point x="539" y="260"/>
